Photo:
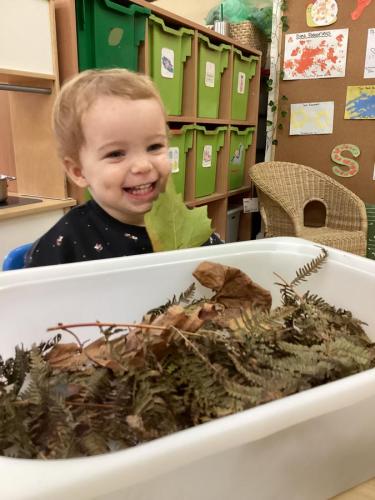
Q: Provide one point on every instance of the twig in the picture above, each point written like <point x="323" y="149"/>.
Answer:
<point x="61" y="326"/>
<point x="76" y="337"/>
<point x="195" y="349"/>
<point x="26" y="402"/>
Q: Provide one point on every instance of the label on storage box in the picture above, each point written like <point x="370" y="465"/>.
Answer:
<point x="209" y="79"/>
<point x="167" y="63"/>
<point x="241" y="82"/>
<point x="250" y="205"/>
<point x="236" y="159"/>
<point x="174" y="158"/>
<point x="207" y="156"/>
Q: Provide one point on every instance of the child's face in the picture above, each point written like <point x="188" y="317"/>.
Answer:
<point x="124" y="159"/>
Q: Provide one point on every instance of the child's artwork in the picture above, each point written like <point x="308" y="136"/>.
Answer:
<point x="349" y="167"/>
<point x="207" y="156"/>
<point x="321" y="13"/>
<point x="370" y="55"/>
<point x="174" y="158"/>
<point x="360" y="102"/>
<point x="311" y="118"/>
<point x="361" y="5"/>
<point x="167" y="63"/>
<point x="238" y="155"/>
<point x="315" y="54"/>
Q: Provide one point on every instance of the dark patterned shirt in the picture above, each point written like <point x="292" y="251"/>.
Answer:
<point x="87" y="232"/>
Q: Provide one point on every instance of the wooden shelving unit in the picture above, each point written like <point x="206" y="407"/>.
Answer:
<point x="219" y="201"/>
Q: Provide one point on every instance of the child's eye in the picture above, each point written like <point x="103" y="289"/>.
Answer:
<point x="115" y="154"/>
<point x="156" y="146"/>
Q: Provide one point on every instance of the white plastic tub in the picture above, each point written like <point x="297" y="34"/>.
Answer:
<point x="310" y="445"/>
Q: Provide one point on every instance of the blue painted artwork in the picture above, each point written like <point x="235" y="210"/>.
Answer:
<point x="360" y="102"/>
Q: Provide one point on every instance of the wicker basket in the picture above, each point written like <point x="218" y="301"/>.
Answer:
<point x="248" y="34"/>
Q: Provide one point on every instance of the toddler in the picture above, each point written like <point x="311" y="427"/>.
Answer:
<point x="112" y="137"/>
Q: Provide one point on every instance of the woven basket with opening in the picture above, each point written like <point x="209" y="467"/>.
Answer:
<point x="248" y="34"/>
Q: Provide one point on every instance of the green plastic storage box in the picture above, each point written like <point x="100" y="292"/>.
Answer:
<point x="244" y="69"/>
<point x="169" y="50"/>
<point x="180" y="141"/>
<point x="213" y="59"/>
<point x="108" y="34"/>
<point x="208" y="144"/>
<point x="240" y="140"/>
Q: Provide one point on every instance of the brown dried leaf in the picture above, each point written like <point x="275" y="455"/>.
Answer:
<point x="64" y="356"/>
<point x="187" y="320"/>
<point x="234" y="289"/>
<point x="69" y="357"/>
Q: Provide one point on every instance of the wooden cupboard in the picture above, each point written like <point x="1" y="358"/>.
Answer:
<point x="29" y="81"/>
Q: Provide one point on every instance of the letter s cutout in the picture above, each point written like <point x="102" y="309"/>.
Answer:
<point x="351" y="166"/>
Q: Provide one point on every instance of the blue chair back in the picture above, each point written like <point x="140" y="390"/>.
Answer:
<point x="15" y="259"/>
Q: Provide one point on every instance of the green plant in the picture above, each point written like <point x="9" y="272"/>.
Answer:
<point x="279" y="112"/>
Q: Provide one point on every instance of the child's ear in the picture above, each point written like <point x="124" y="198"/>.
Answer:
<point x="74" y="171"/>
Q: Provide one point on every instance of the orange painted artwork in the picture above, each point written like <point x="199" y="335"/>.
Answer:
<point x="358" y="11"/>
<point x="315" y="54"/>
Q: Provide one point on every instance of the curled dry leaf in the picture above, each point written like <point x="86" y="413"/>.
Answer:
<point x="187" y="320"/>
<point x="234" y="289"/>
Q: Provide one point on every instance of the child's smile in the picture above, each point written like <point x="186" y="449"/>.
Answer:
<point x="141" y="191"/>
<point x="124" y="159"/>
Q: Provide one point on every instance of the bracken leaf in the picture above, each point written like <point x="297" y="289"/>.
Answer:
<point x="171" y="225"/>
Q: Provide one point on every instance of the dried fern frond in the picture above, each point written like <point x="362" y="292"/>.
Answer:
<point x="185" y="297"/>
<point x="289" y="296"/>
<point x="310" y="268"/>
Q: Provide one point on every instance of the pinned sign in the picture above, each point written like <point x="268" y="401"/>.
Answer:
<point x="250" y="205"/>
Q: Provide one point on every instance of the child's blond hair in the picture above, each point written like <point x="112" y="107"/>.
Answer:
<point x="79" y="93"/>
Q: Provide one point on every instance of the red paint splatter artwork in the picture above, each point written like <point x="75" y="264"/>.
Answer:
<point x="358" y="11"/>
<point x="316" y="54"/>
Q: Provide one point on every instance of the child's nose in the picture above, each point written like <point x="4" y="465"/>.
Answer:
<point x="141" y="164"/>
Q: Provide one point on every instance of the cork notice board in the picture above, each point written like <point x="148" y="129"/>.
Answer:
<point x="315" y="150"/>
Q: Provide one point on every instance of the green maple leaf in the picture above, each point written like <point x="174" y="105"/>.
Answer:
<point x="171" y="225"/>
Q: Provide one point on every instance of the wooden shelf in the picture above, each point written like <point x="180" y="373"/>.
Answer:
<point x="180" y="119"/>
<point x="243" y="123"/>
<point x="205" y="200"/>
<point x="241" y="190"/>
<point x="18" y="77"/>
<point x="213" y="121"/>
<point x="44" y="205"/>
